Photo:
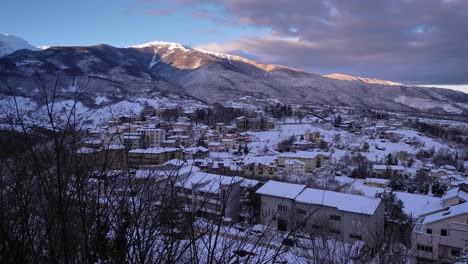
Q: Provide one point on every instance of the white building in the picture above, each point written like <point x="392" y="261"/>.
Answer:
<point x="294" y="167"/>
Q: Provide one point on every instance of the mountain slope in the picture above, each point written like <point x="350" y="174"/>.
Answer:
<point x="159" y="68"/>
<point x="344" y="77"/>
<point x="10" y="44"/>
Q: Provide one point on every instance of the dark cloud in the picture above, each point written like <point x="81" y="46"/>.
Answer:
<point x="412" y="41"/>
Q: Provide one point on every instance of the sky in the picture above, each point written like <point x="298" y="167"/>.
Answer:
<point x="420" y="42"/>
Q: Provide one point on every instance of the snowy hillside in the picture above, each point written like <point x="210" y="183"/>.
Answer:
<point x="10" y="44"/>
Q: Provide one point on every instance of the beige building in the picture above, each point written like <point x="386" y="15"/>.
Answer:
<point x="287" y="206"/>
<point x="311" y="159"/>
<point x="153" y="156"/>
<point x="151" y="137"/>
<point x="441" y="237"/>
<point x="294" y="167"/>
<point x="258" y="169"/>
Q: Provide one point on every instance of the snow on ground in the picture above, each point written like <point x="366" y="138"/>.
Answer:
<point x="272" y="137"/>
<point x="375" y="155"/>
<point x="100" y="99"/>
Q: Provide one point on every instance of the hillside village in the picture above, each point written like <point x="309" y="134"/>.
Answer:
<point x="274" y="167"/>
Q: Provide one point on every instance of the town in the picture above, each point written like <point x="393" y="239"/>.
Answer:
<point x="289" y="174"/>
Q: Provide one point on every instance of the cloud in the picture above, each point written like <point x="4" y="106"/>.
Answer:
<point x="160" y="12"/>
<point x="418" y="41"/>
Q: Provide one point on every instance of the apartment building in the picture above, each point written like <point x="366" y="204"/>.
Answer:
<point x="441" y="237"/>
<point x="311" y="159"/>
<point x="212" y="195"/>
<point x="287" y="206"/>
<point x="152" y="156"/>
<point x="151" y="137"/>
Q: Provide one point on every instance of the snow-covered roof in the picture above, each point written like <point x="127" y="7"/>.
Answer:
<point x="293" y="161"/>
<point x="377" y="180"/>
<point x="418" y="204"/>
<point x="281" y="189"/>
<point x="385" y="167"/>
<point x="248" y="183"/>
<point x="452" y="211"/>
<point x="454" y="192"/>
<point x="341" y="201"/>
<point x="214" y="144"/>
<point x="196" y="149"/>
<point x="208" y="182"/>
<point x="303" y="154"/>
<point x="153" y="150"/>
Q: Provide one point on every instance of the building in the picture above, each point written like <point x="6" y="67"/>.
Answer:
<point x="151" y="137"/>
<point x="441" y="237"/>
<point x="215" y="146"/>
<point x="152" y="156"/>
<point x="259" y="169"/>
<point x="294" y="167"/>
<point x="287" y="206"/>
<point x="455" y="196"/>
<point x="132" y="140"/>
<point x="211" y="195"/>
<point x="311" y="159"/>
<point x="313" y="137"/>
<point x="389" y="169"/>
<point x="254" y="124"/>
<point x="301" y="145"/>
<point x="377" y="182"/>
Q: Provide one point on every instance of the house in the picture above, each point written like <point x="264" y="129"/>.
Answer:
<point x="215" y="146"/>
<point x="294" y="167"/>
<point x="301" y="145"/>
<point x="312" y="159"/>
<point x="229" y="144"/>
<point x="313" y="137"/>
<point x="152" y="156"/>
<point x="441" y="237"/>
<point x="392" y="169"/>
<point x="258" y="169"/>
<point x="196" y="153"/>
<point x="212" y="195"/>
<point x="377" y="182"/>
<point x="455" y="196"/>
<point x="287" y="206"/>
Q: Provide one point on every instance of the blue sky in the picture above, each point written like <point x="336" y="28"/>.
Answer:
<point x="122" y="23"/>
<point x="413" y="42"/>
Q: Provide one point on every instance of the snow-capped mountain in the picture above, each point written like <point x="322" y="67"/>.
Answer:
<point x="10" y="44"/>
<point x="162" y="68"/>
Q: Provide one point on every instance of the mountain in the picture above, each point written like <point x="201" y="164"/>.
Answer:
<point x="344" y="77"/>
<point x="10" y="44"/>
<point x="161" y="69"/>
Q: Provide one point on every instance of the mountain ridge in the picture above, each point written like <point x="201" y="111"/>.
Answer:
<point x="149" y="70"/>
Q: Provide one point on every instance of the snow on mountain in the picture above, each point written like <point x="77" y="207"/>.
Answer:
<point x="10" y="44"/>
<point x="344" y="77"/>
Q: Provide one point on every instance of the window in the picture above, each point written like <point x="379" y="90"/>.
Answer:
<point x="335" y="217"/>
<point x="282" y="208"/>
<point x="424" y="248"/>
<point x="443" y="232"/>
<point x="455" y="252"/>
<point x="355" y="236"/>
<point x="357" y="225"/>
<point x="301" y="211"/>
<point x="429" y="231"/>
